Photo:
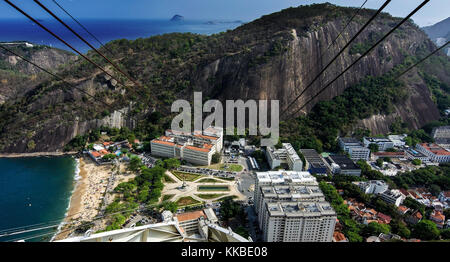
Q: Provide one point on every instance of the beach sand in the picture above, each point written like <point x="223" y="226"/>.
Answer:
<point x="87" y="196"/>
<point x="36" y="154"/>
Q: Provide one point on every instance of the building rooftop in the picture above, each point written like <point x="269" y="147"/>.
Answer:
<point x="300" y="209"/>
<point x="190" y="215"/>
<point x="282" y="176"/>
<point x="291" y="192"/>
<point x="435" y="149"/>
<point x="344" y="162"/>
<point x="377" y="139"/>
<point x="349" y="140"/>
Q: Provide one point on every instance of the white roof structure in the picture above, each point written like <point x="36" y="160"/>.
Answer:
<point x="163" y="232"/>
<point x="281" y="176"/>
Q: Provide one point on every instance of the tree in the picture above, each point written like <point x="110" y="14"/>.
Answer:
<point x="416" y="162"/>
<point x="171" y="163"/>
<point x="445" y="234"/>
<point x="135" y="163"/>
<point x="353" y="237"/>
<point x="426" y="230"/>
<point x="171" y="206"/>
<point x="374" y="229"/>
<point x="379" y="162"/>
<point x="215" y="158"/>
<point x="108" y="157"/>
<point x="374" y="148"/>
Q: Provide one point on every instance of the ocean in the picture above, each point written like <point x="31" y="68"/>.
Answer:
<point x="104" y="30"/>
<point x="35" y="190"/>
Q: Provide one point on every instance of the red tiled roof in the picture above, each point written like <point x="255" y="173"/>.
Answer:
<point x="95" y="154"/>
<point x="190" y="216"/>
<point x="338" y="236"/>
<point x="103" y="152"/>
<point x="446" y="193"/>
<point x="162" y="142"/>
<point x="389" y="153"/>
<point x="403" y="209"/>
<point x="435" y="149"/>
<point x="384" y="217"/>
<point x="438" y="216"/>
<point x="207" y="137"/>
<point x="197" y="148"/>
<point x="418" y="215"/>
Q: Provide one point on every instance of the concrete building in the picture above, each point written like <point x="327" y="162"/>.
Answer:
<point x="357" y="153"/>
<point x="382" y="142"/>
<point x="299" y="222"/>
<point x="434" y="152"/>
<point x="412" y="154"/>
<point x="196" y="148"/>
<point x="285" y="192"/>
<point x="397" y="155"/>
<point x="198" y="228"/>
<point x="314" y="163"/>
<point x="393" y="196"/>
<point x="398" y="140"/>
<point x="342" y="165"/>
<point x="441" y="136"/>
<point x="280" y="177"/>
<point x="286" y="155"/>
<point x="373" y="186"/>
<point x="354" y="148"/>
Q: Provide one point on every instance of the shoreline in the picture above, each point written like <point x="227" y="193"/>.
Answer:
<point x="36" y="154"/>
<point x="86" y="197"/>
<point x="74" y="206"/>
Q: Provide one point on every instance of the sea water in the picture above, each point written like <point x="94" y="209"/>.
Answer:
<point x="35" y="192"/>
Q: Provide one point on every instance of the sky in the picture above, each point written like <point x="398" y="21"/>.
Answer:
<point x="246" y="10"/>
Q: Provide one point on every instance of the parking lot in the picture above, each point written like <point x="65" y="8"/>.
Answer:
<point x="208" y="172"/>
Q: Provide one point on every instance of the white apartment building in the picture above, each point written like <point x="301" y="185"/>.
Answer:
<point x="286" y="192"/>
<point x="393" y="196"/>
<point x="383" y="143"/>
<point x="299" y="222"/>
<point x="434" y="152"/>
<point x="398" y="140"/>
<point x="354" y="148"/>
<point x="281" y="177"/>
<point x="357" y="153"/>
<point x="441" y="135"/>
<point x="286" y="154"/>
<point x="195" y="148"/>
<point x="373" y="186"/>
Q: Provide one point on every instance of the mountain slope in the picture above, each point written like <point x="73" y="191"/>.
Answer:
<point x="17" y="76"/>
<point x="439" y="33"/>
<point x="274" y="57"/>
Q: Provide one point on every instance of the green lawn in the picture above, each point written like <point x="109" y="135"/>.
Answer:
<point x="226" y="167"/>
<point x="187" y="201"/>
<point x="167" y="179"/>
<point x="210" y="196"/>
<point x="213" y="188"/>
<point x="167" y="197"/>
<point x="185" y="176"/>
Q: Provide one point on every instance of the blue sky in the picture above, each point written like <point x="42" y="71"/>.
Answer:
<point x="247" y="10"/>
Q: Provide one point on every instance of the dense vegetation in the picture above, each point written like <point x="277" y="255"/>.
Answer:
<point x="328" y="119"/>
<point x="145" y="189"/>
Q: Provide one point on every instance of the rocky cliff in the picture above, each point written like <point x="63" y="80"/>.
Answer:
<point x="274" y="57"/>
<point x="17" y="76"/>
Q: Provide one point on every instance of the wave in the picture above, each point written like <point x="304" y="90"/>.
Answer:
<point x="76" y="178"/>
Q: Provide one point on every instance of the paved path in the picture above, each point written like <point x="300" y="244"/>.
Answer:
<point x="191" y="189"/>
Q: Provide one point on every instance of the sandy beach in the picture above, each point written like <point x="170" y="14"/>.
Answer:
<point x="36" y="154"/>
<point x="87" y="196"/>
